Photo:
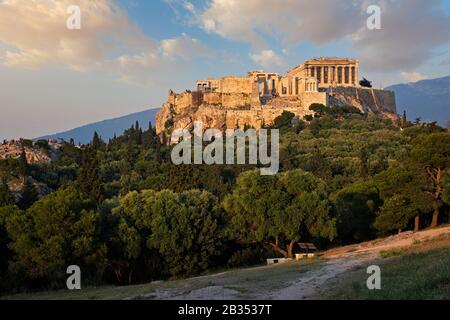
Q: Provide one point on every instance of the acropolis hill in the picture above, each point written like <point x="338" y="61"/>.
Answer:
<point x="259" y="98"/>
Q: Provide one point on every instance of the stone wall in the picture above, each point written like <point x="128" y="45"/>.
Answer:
<point x="236" y="85"/>
<point x="370" y="101"/>
<point x="308" y="98"/>
<point x="242" y="109"/>
<point x="229" y="100"/>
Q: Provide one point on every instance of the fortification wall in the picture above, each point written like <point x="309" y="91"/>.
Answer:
<point x="308" y="98"/>
<point x="238" y="109"/>
<point x="371" y="101"/>
<point x="236" y="85"/>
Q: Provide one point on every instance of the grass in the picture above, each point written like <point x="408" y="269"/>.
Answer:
<point x="421" y="271"/>
<point x="246" y="283"/>
<point x="391" y="252"/>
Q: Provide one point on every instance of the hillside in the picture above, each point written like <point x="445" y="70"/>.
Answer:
<point x="426" y="99"/>
<point x="106" y="128"/>
<point x="338" y="273"/>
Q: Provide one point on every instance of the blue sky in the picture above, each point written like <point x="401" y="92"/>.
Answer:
<point x="128" y="53"/>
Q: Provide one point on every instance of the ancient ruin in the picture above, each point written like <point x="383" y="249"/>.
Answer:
<point x="259" y="98"/>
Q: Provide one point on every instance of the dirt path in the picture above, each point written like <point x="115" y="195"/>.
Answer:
<point x="347" y="258"/>
<point x="290" y="281"/>
<point x="308" y="285"/>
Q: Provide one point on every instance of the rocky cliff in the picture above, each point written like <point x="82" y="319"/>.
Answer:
<point x="240" y="110"/>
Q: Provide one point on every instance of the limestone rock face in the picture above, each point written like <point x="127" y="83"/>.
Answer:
<point x="236" y="109"/>
<point x="370" y="101"/>
<point x="13" y="150"/>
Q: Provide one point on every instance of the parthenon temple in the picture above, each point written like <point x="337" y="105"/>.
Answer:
<point x="257" y="99"/>
<point x="314" y="75"/>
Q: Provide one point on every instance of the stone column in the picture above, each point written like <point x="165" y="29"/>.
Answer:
<point x="329" y="74"/>
<point x="322" y="74"/>
<point x="333" y="74"/>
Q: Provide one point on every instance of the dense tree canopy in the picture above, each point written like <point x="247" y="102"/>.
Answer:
<point x="125" y="213"/>
<point x="57" y="231"/>
<point x="279" y="209"/>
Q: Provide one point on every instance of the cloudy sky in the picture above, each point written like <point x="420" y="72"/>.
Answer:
<point x="128" y="53"/>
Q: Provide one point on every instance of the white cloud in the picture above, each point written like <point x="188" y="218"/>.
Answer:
<point x="411" y="29"/>
<point x="185" y="47"/>
<point x="33" y="34"/>
<point x="267" y="59"/>
<point x="413" y="76"/>
<point x="37" y="32"/>
<point x="292" y="21"/>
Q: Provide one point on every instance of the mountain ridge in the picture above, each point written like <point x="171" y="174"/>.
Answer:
<point x="413" y="97"/>
<point x="426" y="99"/>
<point x="105" y="128"/>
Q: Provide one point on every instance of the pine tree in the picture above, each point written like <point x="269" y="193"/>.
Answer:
<point x="89" y="180"/>
<point x="363" y="169"/>
<point x="29" y="195"/>
<point x="148" y="138"/>
<point x="23" y="164"/>
<point x="97" y="142"/>
<point x="6" y="197"/>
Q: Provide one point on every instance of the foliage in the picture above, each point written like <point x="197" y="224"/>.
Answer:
<point x="29" y="195"/>
<point x="57" y="231"/>
<point x="124" y="208"/>
<point x="356" y="206"/>
<point x="432" y="153"/>
<point x="6" y="197"/>
<point x="286" y="208"/>
<point x="404" y="192"/>
<point x="183" y="227"/>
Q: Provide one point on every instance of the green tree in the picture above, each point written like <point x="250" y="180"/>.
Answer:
<point x="396" y="213"/>
<point x="89" y="178"/>
<point x="432" y="153"/>
<point x="43" y="145"/>
<point x="404" y="190"/>
<point x="129" y="241"/>
<point x="185" y="230"/>
<point x="364" y="167"/>
<point x="97" y="142"/>
<point x="6" y="197"/>
<point x="7" y="281"/>
<point x="356" y="206"/>
<point x="29" y="195"/>
<point x="23" y="168"/>
<point x="57" y="231"/>
<point x="284" y="121"/>
<point x="279" y="210"/>
<point x="319" y="109"/>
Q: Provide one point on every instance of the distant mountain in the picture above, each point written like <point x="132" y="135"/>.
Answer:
<point x="426" y="99"/>
<point x="106" y="128"/>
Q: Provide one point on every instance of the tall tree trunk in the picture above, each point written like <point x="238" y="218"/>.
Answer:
<point x="130" y="276"/>
<point x="435" y="220"/>
<point x="417" y="223"/>
<point x="290" y="248"/>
